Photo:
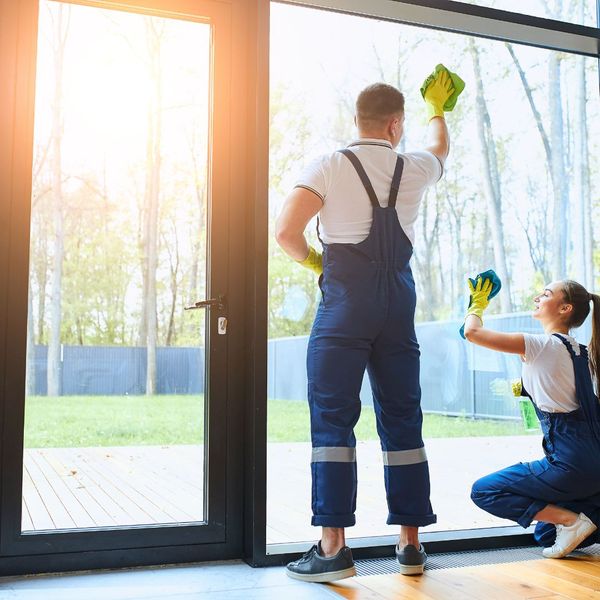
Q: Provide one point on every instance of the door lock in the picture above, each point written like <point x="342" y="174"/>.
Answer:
<point x="219" y="303"/>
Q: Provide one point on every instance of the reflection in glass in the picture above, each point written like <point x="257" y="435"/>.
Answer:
<point x="114" y="425"/>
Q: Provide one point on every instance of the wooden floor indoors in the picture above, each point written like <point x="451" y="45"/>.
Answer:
<point x="575" y="578"/>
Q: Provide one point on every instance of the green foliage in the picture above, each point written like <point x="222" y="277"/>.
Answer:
<point x="293" y="297"/>
<point x="98" y="266"/>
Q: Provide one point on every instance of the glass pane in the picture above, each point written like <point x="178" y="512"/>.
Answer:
<point x="472" y="424"/>
<point x="580" y="12"/>
<point x="114" y="424"/>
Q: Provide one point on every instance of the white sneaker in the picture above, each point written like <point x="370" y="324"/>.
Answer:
<point x="568" y="538"/>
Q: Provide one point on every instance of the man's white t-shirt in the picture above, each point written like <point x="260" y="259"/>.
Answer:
<point x="548" y="373"/>
<point x="347" y="213"/>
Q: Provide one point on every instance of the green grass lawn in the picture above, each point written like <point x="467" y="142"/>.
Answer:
<point x="72" y="421"/>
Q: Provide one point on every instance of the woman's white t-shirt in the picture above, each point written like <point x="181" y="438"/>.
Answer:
<point x="548" y="374"/>
<point x="347" y="214"/>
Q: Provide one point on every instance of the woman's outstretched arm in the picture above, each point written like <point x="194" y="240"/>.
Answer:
<point x="475" y="332"/>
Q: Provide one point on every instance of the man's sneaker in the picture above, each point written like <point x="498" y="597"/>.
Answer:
<point x="320" y="569"/>
<point x="568" y="538"/>
<point x="411" y="560"/>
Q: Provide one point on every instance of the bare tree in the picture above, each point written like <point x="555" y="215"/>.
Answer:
<point x="535" y="229"/>
<point x="582" y="267"/>
<point x="198" y="252"/>
<point x="174" y="264"/>
<point x="554" y="149"/>
<point x="424" y="256"/>
<point x="61" y="26"/>
<point x="149" y="324"/>
<point x="492" y="184"/>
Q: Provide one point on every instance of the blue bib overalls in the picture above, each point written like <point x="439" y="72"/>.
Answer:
<point x="365" y="320"/>
<point x="568" y="475"/>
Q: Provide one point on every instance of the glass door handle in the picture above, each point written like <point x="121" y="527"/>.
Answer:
<point x="218" y="303"/>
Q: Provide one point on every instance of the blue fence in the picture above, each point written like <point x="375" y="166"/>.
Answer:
<point x="457" y="378"/>
<point x="120" y="370"/>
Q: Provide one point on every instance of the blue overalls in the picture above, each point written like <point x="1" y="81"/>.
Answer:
<point x="569" y="474"/>
<point x="366" y="320"/>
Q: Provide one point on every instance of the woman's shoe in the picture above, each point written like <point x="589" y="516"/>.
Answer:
<point x="569" y="537"/>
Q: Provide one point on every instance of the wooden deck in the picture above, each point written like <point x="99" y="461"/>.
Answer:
<point x="66" y="488"/>
<point x="573" y="578"/>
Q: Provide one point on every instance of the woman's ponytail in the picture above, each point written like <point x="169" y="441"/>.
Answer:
<point x="579" y="298"/>
<point x="594" y="345"/>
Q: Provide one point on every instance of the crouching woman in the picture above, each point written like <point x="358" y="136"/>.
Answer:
<point x="562" y="490"/>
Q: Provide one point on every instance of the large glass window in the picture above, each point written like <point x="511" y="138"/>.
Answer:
<point x="114" y="420"/>
<point x="519" y="193"/>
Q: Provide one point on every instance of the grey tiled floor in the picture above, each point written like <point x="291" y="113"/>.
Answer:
<point x="233" y="580"/>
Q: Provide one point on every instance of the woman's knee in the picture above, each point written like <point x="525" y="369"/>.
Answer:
<point x="482" y="490"/>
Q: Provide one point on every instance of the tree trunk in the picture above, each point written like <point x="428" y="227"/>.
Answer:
<point x="554" y="149"/>
<point x="152" y="202"/>
<point x="198" y="251"/>
<point x="547" y="269"/>
<point x="582" y="268"/>
<point x="492" y="185"/>
<point x="174" y="267"/>
<point x="558" y="170"/>
<point x="424" y="263"/>
<point x="30" y="361"/>
<point x="54" y="341"/>
<point x="42" y="276"/>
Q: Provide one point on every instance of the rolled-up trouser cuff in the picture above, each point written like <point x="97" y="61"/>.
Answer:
<point x="533" y="509"/>
<point x="411" y="520"/>
<point x="333" y="520"/>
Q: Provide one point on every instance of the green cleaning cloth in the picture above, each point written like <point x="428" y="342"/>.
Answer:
<point x="457" y="82"/>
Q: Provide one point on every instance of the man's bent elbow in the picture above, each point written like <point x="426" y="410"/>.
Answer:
<point x="282" y="235"/>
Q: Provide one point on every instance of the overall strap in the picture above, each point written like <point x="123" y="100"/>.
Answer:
<point x="319" y="231"/>
<point x="396" y="181"/>
<point x="362" y="174"/>
<point x="583" y="384"/>
<point x="574" y="352"/>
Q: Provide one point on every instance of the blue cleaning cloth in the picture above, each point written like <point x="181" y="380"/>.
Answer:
<point x="496" y="287"/>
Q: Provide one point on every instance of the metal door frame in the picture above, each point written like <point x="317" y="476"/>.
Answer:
<point x="233" y="184"/>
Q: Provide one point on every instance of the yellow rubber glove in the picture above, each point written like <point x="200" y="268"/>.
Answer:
<point x="314" y="261"/>
<point x="517" y="387"/>
<point x="479" y="297"/>
<point x="438" y="91"/>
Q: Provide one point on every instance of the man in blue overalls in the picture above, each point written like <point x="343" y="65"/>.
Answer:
<point x="367" y="197"/>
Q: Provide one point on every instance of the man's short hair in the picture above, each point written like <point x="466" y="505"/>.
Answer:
<point x="377" y="103"/>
